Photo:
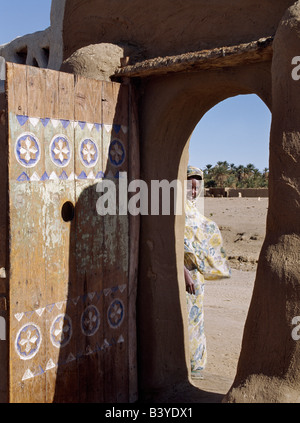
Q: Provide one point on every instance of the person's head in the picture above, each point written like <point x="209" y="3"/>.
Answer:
<point x="195" y="176"/>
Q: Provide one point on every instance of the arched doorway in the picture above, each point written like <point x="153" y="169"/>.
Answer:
<point x="170" y="109"/>
<point x="231" y="145"/>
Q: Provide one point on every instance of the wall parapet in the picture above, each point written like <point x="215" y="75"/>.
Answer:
<point x="256" y="51"/>
<point x="237" y="192"/>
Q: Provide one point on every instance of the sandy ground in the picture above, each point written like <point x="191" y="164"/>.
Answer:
<point x="242" y="222"/>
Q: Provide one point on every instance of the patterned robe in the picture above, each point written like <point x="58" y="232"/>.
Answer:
<point x="205" y="258"/>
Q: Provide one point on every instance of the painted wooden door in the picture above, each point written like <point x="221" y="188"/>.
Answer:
<point x="72" y="275"/>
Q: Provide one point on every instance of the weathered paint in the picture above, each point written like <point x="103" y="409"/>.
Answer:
<point x="68" y="291"/>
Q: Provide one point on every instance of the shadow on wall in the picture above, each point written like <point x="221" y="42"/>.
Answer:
<point x="92" y="335"/>
<point x="93" y="347"/>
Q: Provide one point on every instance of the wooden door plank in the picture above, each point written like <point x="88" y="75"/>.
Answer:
<point x="62" y="380"/>
<point x="115" y="159"/>
<point x="17" y="91"/>
<point x="88" y="137"/>
<point x="65" y="96"/>
<point x="17" y="115"/>
<point x="51" y="106"/>
<point x="27" y="278"/>
<point x="89" y="237"/>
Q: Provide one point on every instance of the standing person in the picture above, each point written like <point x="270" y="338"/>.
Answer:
<point x="204" y="258"/>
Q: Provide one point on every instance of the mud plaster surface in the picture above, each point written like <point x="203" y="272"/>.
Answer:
<point x="226" y="301"/>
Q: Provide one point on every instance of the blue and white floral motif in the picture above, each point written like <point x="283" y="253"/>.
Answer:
<point x="61" y="330"/>
<point x="115" y="313"/>
<point x="116" y="152"/>
<point x="88" y="152"/>
<point x="28" y="341"/>
<point x="60" y="151"/>
<point x="27" y="150"/>
<point x="90" y="320"/>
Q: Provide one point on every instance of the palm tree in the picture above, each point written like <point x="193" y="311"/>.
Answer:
<point x="207" y="169"/>
<point x="220" y="172"/>
<point x="240" y="170"/>
<point x="250" y="168"/>
<point x="266" y="172"/>
<point x="232" y="167"/>
<point x="224" y="174"/>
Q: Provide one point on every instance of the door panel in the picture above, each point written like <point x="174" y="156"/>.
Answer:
<point x="69" y="278"/>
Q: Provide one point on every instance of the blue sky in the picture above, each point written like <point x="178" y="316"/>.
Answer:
<point x="236" y="130"/>
<point x="21" y="17"/>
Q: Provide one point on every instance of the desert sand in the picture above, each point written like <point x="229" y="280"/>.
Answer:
<point x="242" y="222"/>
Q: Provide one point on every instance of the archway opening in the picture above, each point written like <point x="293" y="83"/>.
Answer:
<point x="231" y="145"/>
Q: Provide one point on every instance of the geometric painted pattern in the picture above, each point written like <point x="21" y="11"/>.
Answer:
<point x="115" y="313"/>
<point x="116" y="153"/>
<point x="63" y="176"/>
<point x="28" y="153"/>
<point x="50" y="364"/>
<point x="60" y="151"/>
<point x="27" y="150"/>
<point x="90" y="296"/>
<point x="64" y="123"/>
<point x="29" y="337"/>
<point x="28" y="341"/>
<point x="88" y="152"/>
<point x="90" y="320"/>
<point x="61" y="330"/>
